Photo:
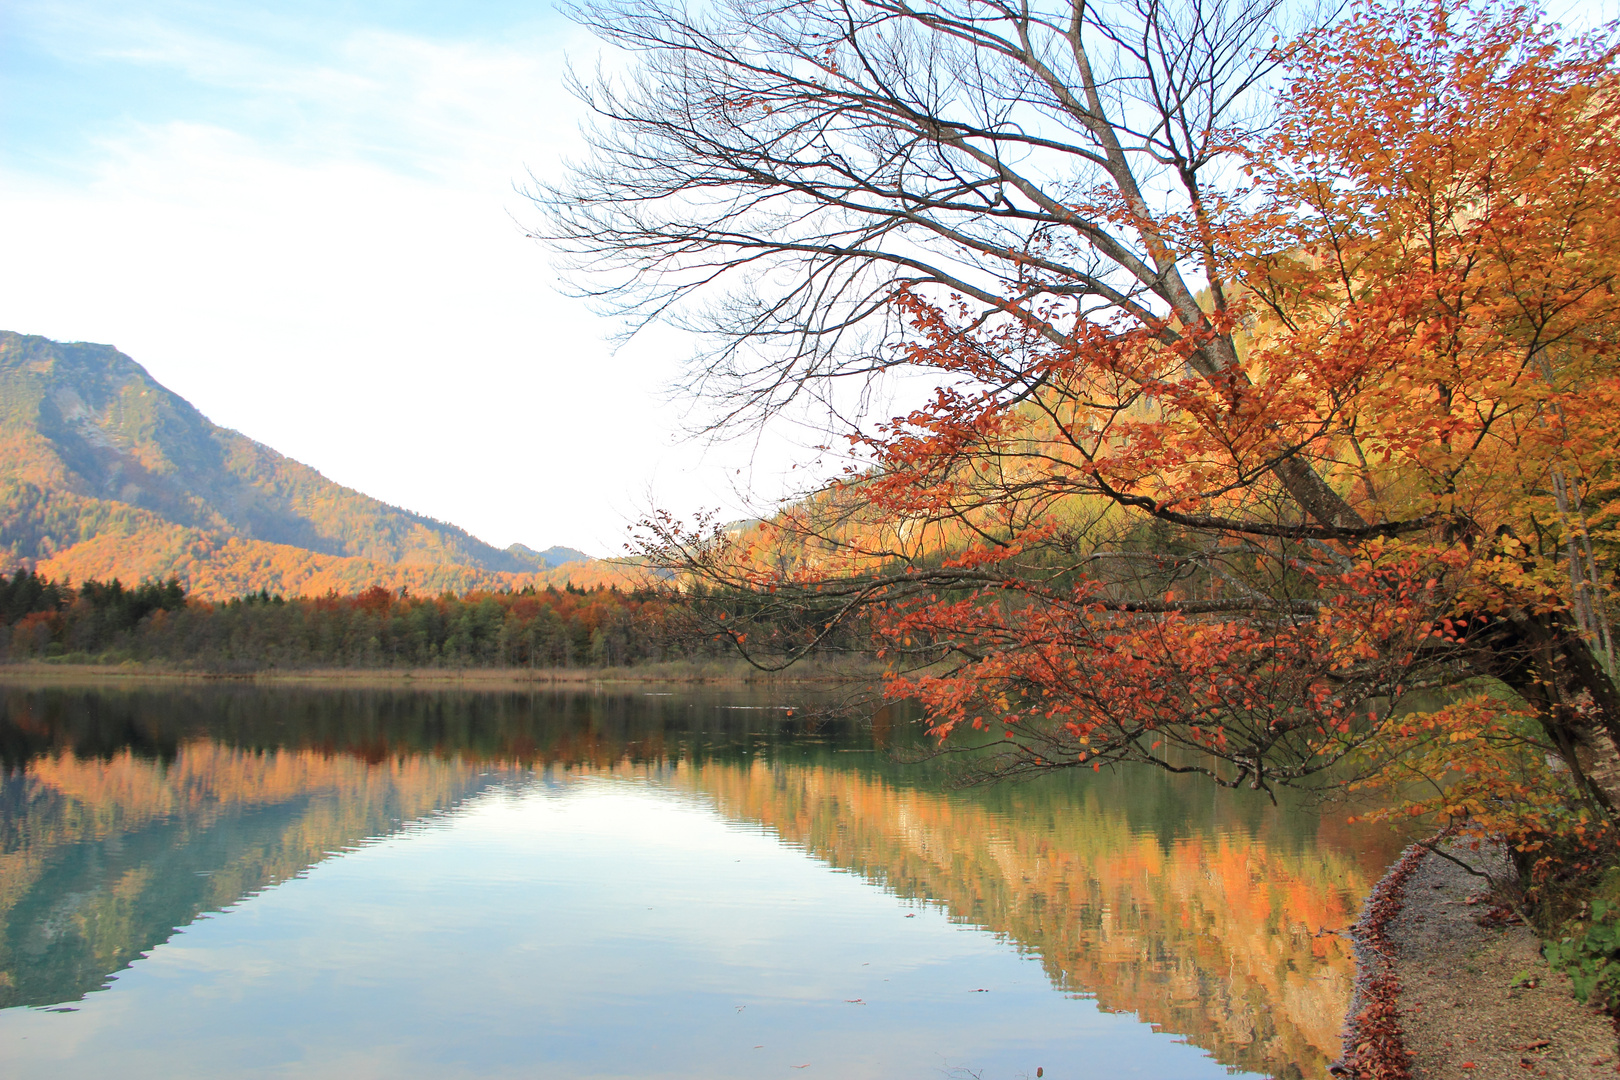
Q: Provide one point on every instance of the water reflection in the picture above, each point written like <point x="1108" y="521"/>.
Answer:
<point x="1216" y="934"/>
<point x="104" y="858"/>
<point x="124" y="815"/>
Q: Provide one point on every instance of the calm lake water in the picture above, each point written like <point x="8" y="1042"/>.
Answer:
<point x="206" y="881"/>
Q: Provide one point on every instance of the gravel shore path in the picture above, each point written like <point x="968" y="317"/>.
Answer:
<point x="1474" y="998"/>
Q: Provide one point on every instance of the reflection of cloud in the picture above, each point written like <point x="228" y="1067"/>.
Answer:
<point x="1212" y="934"/>
<point x="639" y="908"/>
<point x="118" y="853"/>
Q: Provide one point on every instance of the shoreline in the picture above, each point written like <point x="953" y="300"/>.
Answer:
<point x="1450" y="984"/>
<point x="672" y="673"/>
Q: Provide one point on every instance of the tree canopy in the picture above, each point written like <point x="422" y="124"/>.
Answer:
<point x="1275" y="369"/>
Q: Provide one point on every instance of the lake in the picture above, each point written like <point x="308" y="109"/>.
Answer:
<point x="202" y="880"/>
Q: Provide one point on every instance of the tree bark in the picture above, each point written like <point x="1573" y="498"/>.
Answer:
<point x="1547" y="662"/>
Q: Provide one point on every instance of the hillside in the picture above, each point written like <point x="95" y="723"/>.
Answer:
<point x="105" y="472"/>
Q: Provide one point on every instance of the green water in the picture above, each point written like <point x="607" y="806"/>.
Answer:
<point x="228" y="880"/>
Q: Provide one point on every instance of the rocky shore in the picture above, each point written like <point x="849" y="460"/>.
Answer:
<point x="1452" y="985"/>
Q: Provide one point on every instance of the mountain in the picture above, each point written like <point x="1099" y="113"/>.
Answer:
<point x="105" y="472"/>
<point x="551" y="557"/>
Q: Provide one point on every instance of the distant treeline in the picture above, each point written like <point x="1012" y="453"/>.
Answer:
<point x="156" y="621"/>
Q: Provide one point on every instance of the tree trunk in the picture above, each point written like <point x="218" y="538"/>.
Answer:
<point x="1547" y="662"/>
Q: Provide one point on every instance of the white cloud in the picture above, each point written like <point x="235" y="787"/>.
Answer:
<point x="337" y="272"/>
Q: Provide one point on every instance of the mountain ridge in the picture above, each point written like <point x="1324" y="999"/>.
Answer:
<point x="108" y="472"/>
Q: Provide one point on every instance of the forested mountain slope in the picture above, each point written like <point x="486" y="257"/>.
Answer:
<point x="104" y="471"/>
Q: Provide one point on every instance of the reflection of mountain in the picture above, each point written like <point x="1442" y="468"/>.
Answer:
<point x="101" y="860"/>
<point x="1212" y="933"/>
<point x="126" y="814"/>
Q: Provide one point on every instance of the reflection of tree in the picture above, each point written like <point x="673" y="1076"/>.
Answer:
<point x="373" y="723"/>
<point x="1199" y="915"/>
<point x="1209" y="933"/>
<point x="105" y="859"/>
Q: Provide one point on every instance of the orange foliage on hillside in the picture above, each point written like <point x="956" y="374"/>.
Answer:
<point x="212" y="568"/>
<point x="106" y="473"/>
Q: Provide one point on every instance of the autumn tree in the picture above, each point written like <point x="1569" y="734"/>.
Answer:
<point x="1274" y="368"/>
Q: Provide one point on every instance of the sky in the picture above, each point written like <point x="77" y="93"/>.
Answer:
<point x="305" y="217"/>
